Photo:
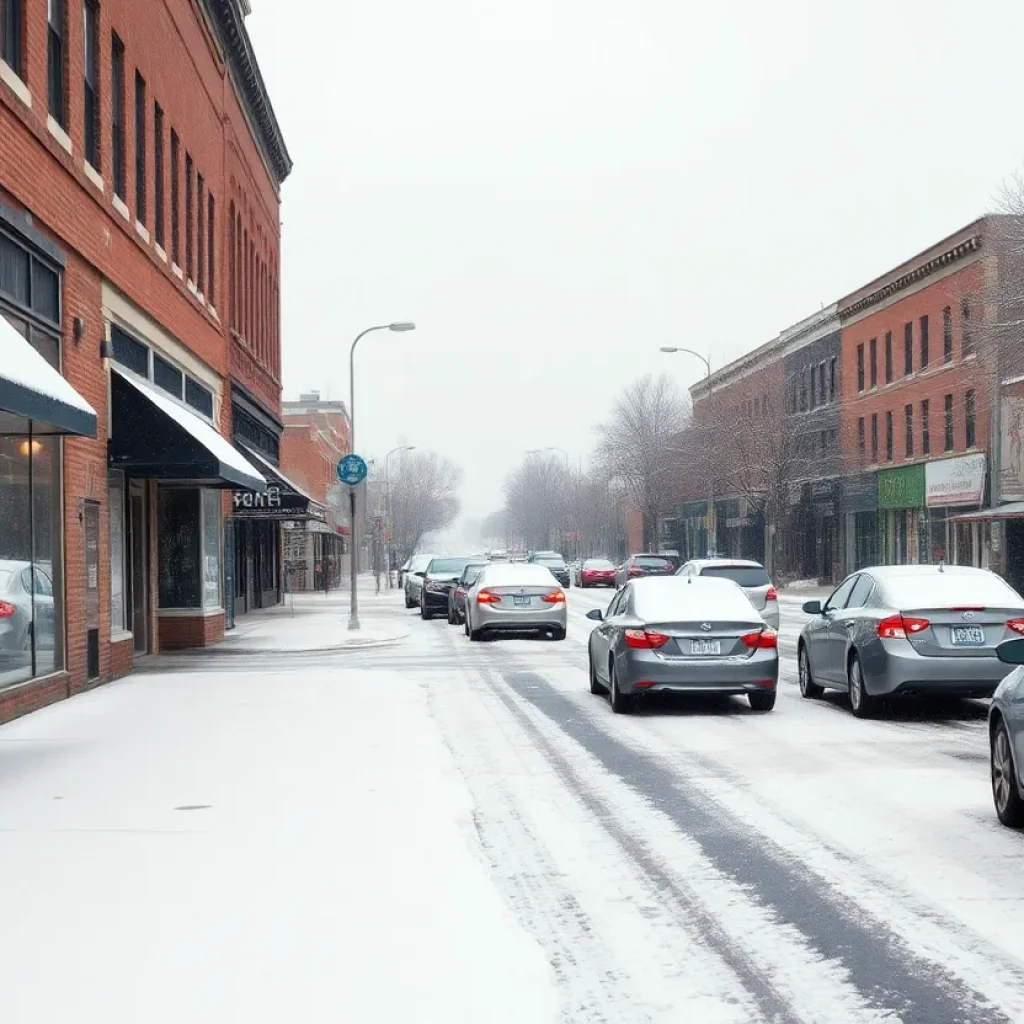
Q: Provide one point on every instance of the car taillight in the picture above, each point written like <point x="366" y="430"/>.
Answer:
<point x="1017" y="625"/>
<point x="772" y="595"/>
<point x="634" y="571"/>
<point x="6" y="610"/>
<point x="555" y="597"/>
<point x="764" y="639"/>
<point x="488" y="597"/>
<point x="899" y="627"/>
<point x="644" y="639"/>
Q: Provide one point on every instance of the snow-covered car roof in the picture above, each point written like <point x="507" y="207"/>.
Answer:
<point x="516" y="574"/>
<point x="662" y="598"/>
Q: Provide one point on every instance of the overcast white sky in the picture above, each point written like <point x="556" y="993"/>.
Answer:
<point x="552" y="189"/>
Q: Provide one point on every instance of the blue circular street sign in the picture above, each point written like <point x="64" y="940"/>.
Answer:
<point x="352" y="470"/>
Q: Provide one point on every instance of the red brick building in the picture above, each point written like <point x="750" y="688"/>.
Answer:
<point x="140" y="167"/>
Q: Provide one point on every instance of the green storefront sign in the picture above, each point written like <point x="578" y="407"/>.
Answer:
<point x="901" y="488"/>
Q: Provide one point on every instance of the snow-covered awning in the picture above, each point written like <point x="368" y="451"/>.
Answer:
<point x="154" y="436"/>
<point x="34" y="395"/>
<point x="1013" y="510"/>
<point x="283" y="499"/>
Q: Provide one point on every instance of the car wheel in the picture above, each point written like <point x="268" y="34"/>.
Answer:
<point x="762" y="700"/>
<point x="622" y="704"/>
<point x="1009" y="806"/>
<point x="424" y="614"/>
<point x="862" y="703"/>
<point x="596" y="687"/>
<point x="808" y="687"/>
<point x="409" y="602"/>
<point x="558" y="634"/>
<point x="465" y="625"/>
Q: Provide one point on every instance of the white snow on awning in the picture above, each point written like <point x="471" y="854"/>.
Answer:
<point x="218" y="446"/>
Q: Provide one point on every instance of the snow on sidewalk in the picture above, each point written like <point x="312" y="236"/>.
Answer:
<point x="216" y="846"/>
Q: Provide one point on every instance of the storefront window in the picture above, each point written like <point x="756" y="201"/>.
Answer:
<point x="189" y="557"/>
<point x="117" y="552"/>
<point x="211" y="548"/>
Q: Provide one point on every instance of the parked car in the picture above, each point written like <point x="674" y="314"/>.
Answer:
<point x="457" y="595"/>
<point x="516" y="598"/>
<point x="403" y="569"/>
<point x="553" y="562"/>
<point x="1006" y="737"/>
<point x="17" y="582"/>
<point x="684" y="635"/>
<point x="750" y="576"/>
<point x="414" y="579"/>
<point x="595" y="572"/>
<point x="640" y="565"/>
<point x="929" y="630"/>
<point x="440" y="577"/>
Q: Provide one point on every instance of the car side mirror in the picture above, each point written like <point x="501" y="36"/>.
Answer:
<point x="595" y="614"/>
<point x="1011" y="652"/>
<point x="812" y="607"/>
<point x="420" y="574"/>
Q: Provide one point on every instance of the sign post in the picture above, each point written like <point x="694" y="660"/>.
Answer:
<point x="352" y="472"/>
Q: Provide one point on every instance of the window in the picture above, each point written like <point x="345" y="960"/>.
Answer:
<point x="908" y="413"/>
<point x="908" y="349"/>
<point x="91" y="42"/>
<point x="888" y="357"/>
<point x="874" y="437"/>
<point x="167" y="376"/>
<point x="211" y="210"/>
<point x="201" y="235"/>
<point x="199" y="397"/>
<point x="924" y="342"/>
<point x="808" y="372"/>
<point x="117" y="104"/>
<point x="129" y="352"/>
<point x="823" y="441"/>
<point x="803" y="390"/>
<point x="140" y="148"/>
<point x="831" y="379"/>
<point x="860" y="367"/>
<point x="189" y="537"/>
<point x="211" y="548"/>
<point x="926" y="441"/>
<point x="821" y="381"/>
<point x="118" y="588"/>
<point x="947" y="335"/>
<point x="158" y="174"/>
<point x="189" y="218"/>
<point x="873" y="360"/>
<point x="888" y="436"/>
<point x="175" y="190"/>
<point x="948" y="423"/>
<point x="967" y="345"/>
<point x="10" y="36"/>
<point x="969" y="419"/>
<point x="56" y="64"/>
<point x="232" y="284"/>
<point x="861" y="591"/>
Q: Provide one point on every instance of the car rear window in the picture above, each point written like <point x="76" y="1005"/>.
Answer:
<point x="651" y="562"/>
<point x="525" y="574"/>
<point x="448" y="565"/>
<point x="673" y="599"/>
<point x="551" y="561"/>
<point x="934" y="589"/>
<point x="598" y="563"/>
<point x="744" y="575"/>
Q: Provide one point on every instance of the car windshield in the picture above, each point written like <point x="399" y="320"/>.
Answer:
<point x="652" y="562"/>
<point x="552" y="561"/>
<point x="447" y="566"/>
<point x="598" y="563"/>
<point x="419" y="563"/>
<point x="949" y="589"/>
<point x="744" y="575"/>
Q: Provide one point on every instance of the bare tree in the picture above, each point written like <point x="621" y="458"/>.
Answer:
<point x="536" y="501"/>
<point x="423" y="498"/>
<point x="636" y="445"/>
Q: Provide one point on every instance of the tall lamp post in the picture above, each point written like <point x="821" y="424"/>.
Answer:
<point x="389" y="510"/>
<point x="672" y="349"/>
<point x="353" y="621"/>
<point x="552" y="448"/>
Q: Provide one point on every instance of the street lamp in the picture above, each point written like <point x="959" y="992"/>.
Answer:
<point x="402" y="325"/>
<point x="390" y="506"/>
<point x="671" y="349"/>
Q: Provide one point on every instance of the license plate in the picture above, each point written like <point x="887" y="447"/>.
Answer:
<point x="521" y="601"/>
<point x="705" y="646"/>
<point x="968" y="636"/>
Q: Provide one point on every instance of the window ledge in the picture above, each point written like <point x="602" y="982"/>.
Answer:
<point x="176" y="271"/>
<point x="119" y="636"/>
<point x="119" y="205"/>
<point x="142" y="231"/>
<point x="199" y="296"/>
<point x="213" y="313"/>
<point x="94" y="176"/>
<point x="188" y="613"/>
<point x="160" y="251"/>
<point x="191" y="286"/>
<point x="13" y="81"/>
<point x="967" y="358"/>
<point x="62" y="138"/>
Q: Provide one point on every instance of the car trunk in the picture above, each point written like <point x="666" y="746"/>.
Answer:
<point x="692" y="641"/>
<point x="523" y="598"/>
<point x="963" y="633"/>
<point x="758" y="596"/>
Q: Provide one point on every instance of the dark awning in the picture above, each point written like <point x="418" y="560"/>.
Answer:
<point x="282" y="500"/>
<point x="154" y="436"/>
<point x="34" y="394"/>
<point x="1014" y="510"/>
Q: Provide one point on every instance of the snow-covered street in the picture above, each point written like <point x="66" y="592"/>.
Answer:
<point x="434" y="830"/>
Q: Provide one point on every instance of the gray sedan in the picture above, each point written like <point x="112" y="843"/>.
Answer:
<point x="685" y="635"/>
<point x="1006" y="737"/>
<point x="909" y="629"/>
<point x="23" y="590"/>
<point x="751" y="577"/>
<point x="515" y="598"/>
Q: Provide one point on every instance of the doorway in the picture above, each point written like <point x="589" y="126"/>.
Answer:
<point x="138" y="553"/>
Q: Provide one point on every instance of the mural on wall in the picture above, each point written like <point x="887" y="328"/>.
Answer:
<point x="1012" y="469"/>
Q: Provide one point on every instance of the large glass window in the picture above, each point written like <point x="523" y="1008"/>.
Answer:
<point x="117" y="552"/>
<point x="189" y="557"/>
<point x="211" y="548"/>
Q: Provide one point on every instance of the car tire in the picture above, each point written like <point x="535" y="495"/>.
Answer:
<point x="762" y="700"/>
<point x="1005" y="792"/>
<point x="596" y="687"/>
<point x="622" y="703"/>
<point x="558" y="634"/>
<point x="809" y="689"/>
<point x="862" y="704"/>
<point x="451" y="616"/>
<point x="424" y="614"/>
<point x="409" y="602"/>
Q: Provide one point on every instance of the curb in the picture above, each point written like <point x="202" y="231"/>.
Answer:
<point x="256" y="651"/>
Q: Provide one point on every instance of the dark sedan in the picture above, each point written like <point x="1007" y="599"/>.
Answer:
<point x="440" y="577"/>
<point x="555" y="564"/>
<point x="457" y="595"/>
<point x="637" y="566"/>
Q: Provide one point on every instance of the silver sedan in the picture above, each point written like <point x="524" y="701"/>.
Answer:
<point x="927" y="630"/>
<point x="515" y="598"/>
<point x="1006" y="737"/>
<point x="686" y="635"/>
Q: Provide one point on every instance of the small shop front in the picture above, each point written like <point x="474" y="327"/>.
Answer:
<point x="814" y="551"/>
<point x="954" y="487"/>
<point x="861" y="522"/>
<point x="902" y="519"/>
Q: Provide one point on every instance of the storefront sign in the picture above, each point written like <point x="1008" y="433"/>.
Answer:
<point x="276" y="502"/>
<point x="1012" y="448"/>
<point x="955" y="481"/>
<point x="901" y="488"/>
